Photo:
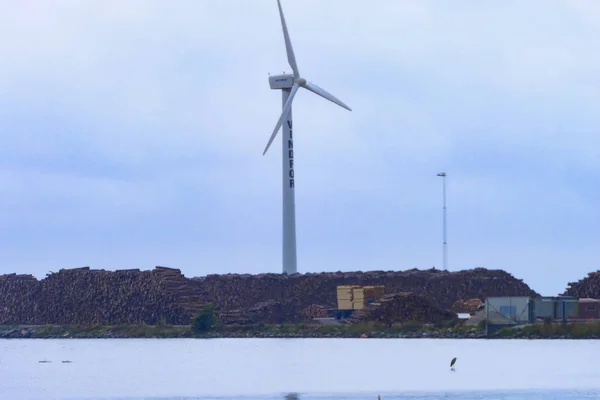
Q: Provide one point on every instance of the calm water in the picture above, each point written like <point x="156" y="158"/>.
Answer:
<point x="313" y="368"/>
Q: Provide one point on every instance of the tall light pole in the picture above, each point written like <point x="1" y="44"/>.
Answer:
<point x="445" y="239"/>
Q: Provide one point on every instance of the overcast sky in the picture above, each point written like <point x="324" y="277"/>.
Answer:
<point x="131" y="135"/>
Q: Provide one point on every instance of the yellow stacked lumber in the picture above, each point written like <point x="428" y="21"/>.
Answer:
<point x="345" y="296"/>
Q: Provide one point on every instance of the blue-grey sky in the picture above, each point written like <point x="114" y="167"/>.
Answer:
<point x="131" y="135"/>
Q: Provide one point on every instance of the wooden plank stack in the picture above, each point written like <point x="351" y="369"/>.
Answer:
<point x="356" y="297"/>
<point x="345" y="296"/>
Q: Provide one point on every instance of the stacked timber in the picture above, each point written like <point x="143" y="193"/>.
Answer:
<point x="267" y="312"/>
<point x="467" y="306"/>
<point x="403" y="307"/>
<point x="83" y="296"/>
<point x="345" y="296"/>
<point x="355" y="297"/>
<point x="588" y="287"/>
<point x="356" y="316"/>
<point x="185" y="291"/>
<point x="86" y="296"/>
<point x="18" y="294"/>
<point x="275" y="312"/>
<point x="235" y="317"/>
<point x="441" y="288"/>
<point x="315" y="311"/>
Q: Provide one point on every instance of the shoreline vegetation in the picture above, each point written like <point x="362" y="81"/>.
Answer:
<point x="409" y="330"/>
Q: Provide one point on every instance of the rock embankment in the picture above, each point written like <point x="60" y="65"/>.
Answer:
<point x="25" y="332"/>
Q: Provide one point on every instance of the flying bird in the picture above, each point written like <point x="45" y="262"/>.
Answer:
<point x="452" y="363"/>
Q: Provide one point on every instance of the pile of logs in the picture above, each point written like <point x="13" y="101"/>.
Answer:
<point x="315" y="311"/>
<point x="587" y="287"/>
<point x="18" y="294"/>
<point x="441" y="288"/>
<point x="403" y="307"/>
<point x="186" y="291"/>
<point x="85" y="297"/>
<point x="467" y="306"/>
<point x="235" y="317"/>
<point x="268" y="312"/>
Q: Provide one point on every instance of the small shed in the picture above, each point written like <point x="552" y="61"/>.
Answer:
<point x="589" y="308"/>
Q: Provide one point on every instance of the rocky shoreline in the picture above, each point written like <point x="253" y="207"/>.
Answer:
<point x="183" y="332"/>
<point x="32" y="333"/>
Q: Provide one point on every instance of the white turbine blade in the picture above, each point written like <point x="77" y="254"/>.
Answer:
<point x="284" y="114"/>
<point x="323" y="93"/>
<point x="288" y="44"/>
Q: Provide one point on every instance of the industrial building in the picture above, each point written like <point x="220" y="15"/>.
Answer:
<point x="589" y="308"/>
<point x="509" y="311"/>
<point x="559" y="308"/>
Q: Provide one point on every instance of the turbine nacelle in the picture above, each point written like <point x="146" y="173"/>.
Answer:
<point x="278" y="82"/>
<point x="285" y="81"/>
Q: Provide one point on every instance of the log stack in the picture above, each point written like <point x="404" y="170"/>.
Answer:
<point x="441" y="288"/>
<point x="587" y="287"/>
<point x="267" y="312"/>
<point x="315" y="311"/>
<point x="18" y="294"/>
<point x="275" y="312"/>
<point x="235" y="317"/>
<point x="86" y="296"/>
<point x="186" y="292"/>
<point x="467" y="306"/>
<point x="403" y="307"/>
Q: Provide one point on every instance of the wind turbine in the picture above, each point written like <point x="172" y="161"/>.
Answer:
<point x="289" y="85"/>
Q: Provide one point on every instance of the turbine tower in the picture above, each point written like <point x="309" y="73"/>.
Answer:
<point x="289" y="85"/>
<point x="445" y="243"/>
